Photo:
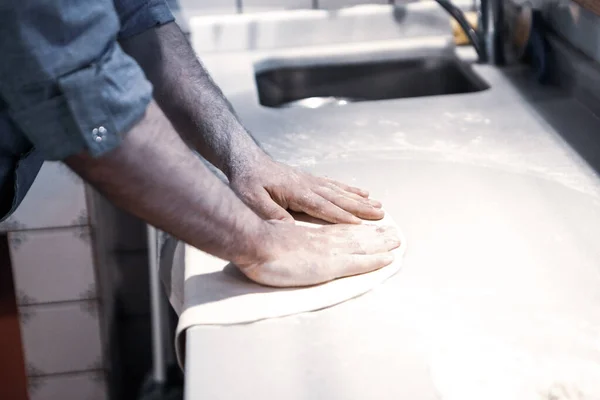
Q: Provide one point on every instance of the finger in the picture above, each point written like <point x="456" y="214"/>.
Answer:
<point x="366" y="200"/>
<point x="348" y="188"/>
<point x="363" y="200"/>
<point x="262" y="204"/>
<point x="359" y="264"/>
<point x="316" y="206"/>
<point x="357" y="208"/>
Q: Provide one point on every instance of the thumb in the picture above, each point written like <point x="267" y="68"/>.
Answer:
<point x="264" y="206"/>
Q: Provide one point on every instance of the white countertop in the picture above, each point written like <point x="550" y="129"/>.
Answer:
<point x="501" y="280"/>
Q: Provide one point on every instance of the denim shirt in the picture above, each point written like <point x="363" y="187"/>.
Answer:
<point x="66" y="86"/>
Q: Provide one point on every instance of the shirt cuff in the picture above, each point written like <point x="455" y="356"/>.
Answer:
<point x="95" y="107"/>
<point x="139" y="16"/>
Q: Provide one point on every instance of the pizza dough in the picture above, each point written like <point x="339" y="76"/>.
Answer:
<point x="205" y="290"/>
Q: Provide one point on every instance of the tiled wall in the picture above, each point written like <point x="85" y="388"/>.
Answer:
<point x="54" y="273"/>
<point x="56" y="200"/>
<point x="269" y="5"/>
<point x="205" y="7"/>
<point x="61" y="338"/>
<point x="80" y="275"/>
<point x="85" y="385"/>
<point x="52" y="265"/>
<point x="333" y="4"/>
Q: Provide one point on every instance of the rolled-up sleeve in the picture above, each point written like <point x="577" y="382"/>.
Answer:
<point x="66" y="82"/>
<point x="136" y="16"/>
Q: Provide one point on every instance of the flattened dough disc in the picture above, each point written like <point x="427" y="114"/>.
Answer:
<point x="205" y="290"/>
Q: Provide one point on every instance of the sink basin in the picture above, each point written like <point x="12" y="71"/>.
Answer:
<point x="304" y="86"/>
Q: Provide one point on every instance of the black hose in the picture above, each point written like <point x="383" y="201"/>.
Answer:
<point x="474" y="38"/>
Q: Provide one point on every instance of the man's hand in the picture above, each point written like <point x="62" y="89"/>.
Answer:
<point x="269" y="188"/>
<point x="302" y="256"/>
<point x="206" y="121"/>
<point x="178" y="194"/>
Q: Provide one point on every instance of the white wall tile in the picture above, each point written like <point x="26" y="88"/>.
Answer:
<point x="262" y="31"/>
<point x="335" y="4"/>
<point x="270" y="5"/>
<point x="52" y="265"/>
<point x="208" y="7"/>
<point x="56" y="199"/>
<point x="63" y="337"/>
<point x="78" y="386"/>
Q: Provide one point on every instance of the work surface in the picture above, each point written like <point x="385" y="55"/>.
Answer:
<point x="499" y="296"/>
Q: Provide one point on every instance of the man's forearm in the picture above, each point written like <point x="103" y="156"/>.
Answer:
<point x="191" y="100"/>
<point x="155" y="176"/>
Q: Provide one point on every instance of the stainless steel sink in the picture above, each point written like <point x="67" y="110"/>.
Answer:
<point x="339" y="84"/>
<point x="323" y="58"/>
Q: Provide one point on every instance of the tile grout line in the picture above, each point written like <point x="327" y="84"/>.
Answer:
<point x="68" y="373"/>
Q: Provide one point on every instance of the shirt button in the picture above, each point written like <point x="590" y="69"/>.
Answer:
<point x="98" y="134"/>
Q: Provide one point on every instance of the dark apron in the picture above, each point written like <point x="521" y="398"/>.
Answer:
<point x="19" y="165"/>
